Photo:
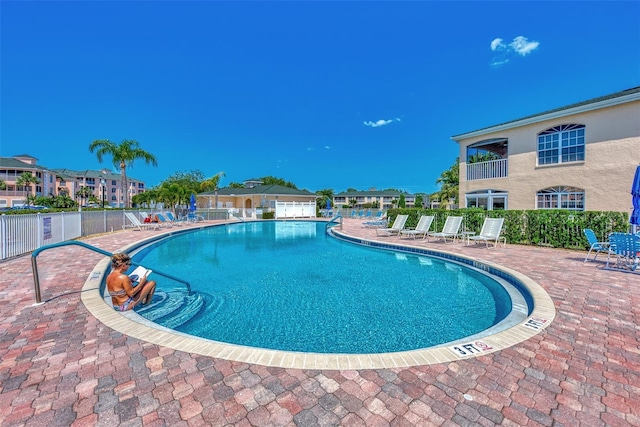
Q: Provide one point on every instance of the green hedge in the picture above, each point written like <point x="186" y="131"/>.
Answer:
<point x="551" y="228"/>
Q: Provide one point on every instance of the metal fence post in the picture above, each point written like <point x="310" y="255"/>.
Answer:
<point x="39" y="239"/>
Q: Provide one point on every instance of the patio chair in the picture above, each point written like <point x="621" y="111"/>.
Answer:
<point x="594" y="244"/>
<point x="163" y="221"/>
<point x="451" y="229"/>
<point x="398" y="224"/>
<point x="490" y="232"/>
<point x="626" y="248"/>
<point x="378" y="223"/>
<point x="192" y="217"/>
<point x="173" y="219"/>
<point x="422" y="228"/>
<point x="137" y="224"/>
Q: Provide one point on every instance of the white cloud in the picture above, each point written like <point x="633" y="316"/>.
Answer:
<point x="523" y="46"/>
<point x="497" y="44"/>
<point x="327" y="147"/>
<point x="380" y="122"/>
<point x="520" y="46"/>
<point x="496" y="62"/>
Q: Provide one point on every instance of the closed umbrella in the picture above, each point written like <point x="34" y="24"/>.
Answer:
<point x="192" y="203"/>
<point x="328" y="204"/>
<point x="635" y="198"/>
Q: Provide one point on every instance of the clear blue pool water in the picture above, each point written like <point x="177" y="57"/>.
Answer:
<point x="289" y="286"/>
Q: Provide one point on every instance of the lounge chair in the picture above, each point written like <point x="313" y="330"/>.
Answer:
<point x="491" y="229"/>
<point x="163" y="221"/>
<point x="625" y="247"/>
<point x="398" y="224"/>
<point x="450" y="230"/>
<point x="594" y="244"/>
<point x="422" y="228"/>
<point x="137" y="224"/>
<point x="192" y="217"/>
<point x="378" y="223"/>
<point x="173" y="219"/>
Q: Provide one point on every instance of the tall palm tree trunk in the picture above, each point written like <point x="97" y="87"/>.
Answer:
<point x="125" y="184"/>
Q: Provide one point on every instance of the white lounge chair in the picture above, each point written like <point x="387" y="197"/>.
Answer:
<point x="137" y="224"/>
<point x="422" y="228"/>
<point x="490" y="232"/>
<point x="450" y="230"/>
<point x="398" y="224"/>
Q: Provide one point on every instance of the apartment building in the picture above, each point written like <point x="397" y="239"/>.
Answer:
<point x="579" y="157"/>
<point x="384" y="199"/>
<point x="103" y="184"/>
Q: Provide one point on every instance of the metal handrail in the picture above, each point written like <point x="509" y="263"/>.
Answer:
<point x="334" y="220"/>
<point x="36" y="278"/>
<point x="236" y="216"/>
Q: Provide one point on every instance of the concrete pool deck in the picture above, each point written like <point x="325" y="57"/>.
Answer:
<point x="61" y="366"/>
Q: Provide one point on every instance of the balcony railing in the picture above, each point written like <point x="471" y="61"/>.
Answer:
<point x="487" y="170"/>
<point x="14" y="193"/>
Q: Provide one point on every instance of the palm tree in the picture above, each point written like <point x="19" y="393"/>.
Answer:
<point x="212" y="184"/>
<point x="450" y="180"/>
<point x="123" y="155"/>
<point x="3" y="185"/>
<point x="326" y="197"/>
<point x="25" y="180"/>
<point x="84" y="193"/>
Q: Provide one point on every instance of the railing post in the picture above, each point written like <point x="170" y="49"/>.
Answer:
<point x="3" y="236"/>
<point x="36" y="280"/>
<point x="39" y="239"/>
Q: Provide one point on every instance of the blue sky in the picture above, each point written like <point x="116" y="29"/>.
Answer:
<point x="323" y="94"/>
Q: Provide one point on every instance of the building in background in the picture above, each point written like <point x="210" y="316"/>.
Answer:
<point x="579" y="157"/>
<point x="373" y="198"/>
<point x="102" y="184"/>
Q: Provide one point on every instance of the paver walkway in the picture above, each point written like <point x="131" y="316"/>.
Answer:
<point x="59" y="366"/>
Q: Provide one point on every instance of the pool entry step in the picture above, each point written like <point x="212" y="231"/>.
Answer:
<point x="172" y="308"/>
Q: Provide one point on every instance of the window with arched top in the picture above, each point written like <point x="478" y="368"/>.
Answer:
<point x="561" y="144"/>
<point x="561" y="197"/>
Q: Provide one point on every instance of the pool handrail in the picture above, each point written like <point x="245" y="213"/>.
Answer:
<point x="335" y="220"/>
<point x="36" y="278"/>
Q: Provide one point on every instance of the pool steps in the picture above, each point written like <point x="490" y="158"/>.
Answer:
<point x="172" y="308"/>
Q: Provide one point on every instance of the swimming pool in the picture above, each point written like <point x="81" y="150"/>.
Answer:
<point x="289" y="286"/>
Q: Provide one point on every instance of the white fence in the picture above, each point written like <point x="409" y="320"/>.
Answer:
<point x="20" y="234"/>
<point x="295" y="209"/>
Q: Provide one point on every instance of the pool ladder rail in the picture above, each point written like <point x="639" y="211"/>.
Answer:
<point x="336" y="220"/>
<point x="36" y="277"/>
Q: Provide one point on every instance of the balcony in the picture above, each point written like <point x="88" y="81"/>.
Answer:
<point x="487" y="170"/>
<point x="14" y="193"/>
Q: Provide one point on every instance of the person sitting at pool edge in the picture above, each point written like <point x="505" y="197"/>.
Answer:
<point x="124" y="295"/>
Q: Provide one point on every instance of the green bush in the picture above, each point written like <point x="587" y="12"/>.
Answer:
<point x="268" y="215"/>
<point x="552" y="228"/>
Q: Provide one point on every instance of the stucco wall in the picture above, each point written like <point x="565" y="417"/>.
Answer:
<point x="612" y="152"/>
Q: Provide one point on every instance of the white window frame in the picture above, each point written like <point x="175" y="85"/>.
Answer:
<point x="489" y="195"/>
<point x="561" y="144"/>
<point x="561" y="197"/>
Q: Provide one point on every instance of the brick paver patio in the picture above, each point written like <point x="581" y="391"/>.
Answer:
<point x="60" y="366"/>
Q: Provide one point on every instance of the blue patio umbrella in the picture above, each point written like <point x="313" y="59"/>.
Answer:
<point x="192" y="203"/>
<point x="635" y="198"/>
<point x="328" y="204"/>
